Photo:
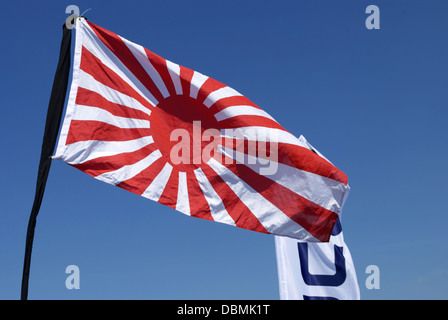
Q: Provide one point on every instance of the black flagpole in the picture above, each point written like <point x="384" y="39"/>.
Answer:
<point x="54" y="115"/>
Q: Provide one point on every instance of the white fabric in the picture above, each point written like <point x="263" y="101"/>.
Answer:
<point x="129" y="171"/>
<point x="217" y="208"/>
<point x="87" y="113"/>
<point x="155" y="189"/>
<point x="219" y="94"/>
<point x="197" y="81"/>
<point x="235" y="111"/>
<point x="313" y="275"/>
<point x="174" y="71"/>
<point x="183" y="204"/>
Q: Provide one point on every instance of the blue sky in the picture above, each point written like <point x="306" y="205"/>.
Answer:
<point x="372" y="101"/>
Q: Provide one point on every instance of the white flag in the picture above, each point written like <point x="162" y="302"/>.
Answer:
<point x="316" y="271"/>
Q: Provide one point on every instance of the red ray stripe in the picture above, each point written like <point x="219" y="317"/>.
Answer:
<point x="232" y="101"/>
<point x="317" y="220"/>
<point x="122" y="52"/>
<point x="101" y="165"/>
<point x="249" y="121"/>
<point x="290" y="155"/>
<point x="159" y="64"/>
<point x="305" y="159"/>
<point x="208" y="87"/>
<point x="139" y="183"/>
<point x="103" y="74"/>
<point x="81" y="130"/>
<point x="199" y="207"/>
<point x="241" y="214"/>
<point x="169" y="194"/>
<point x="86" y="97"/>
<point x="185" y="79"/>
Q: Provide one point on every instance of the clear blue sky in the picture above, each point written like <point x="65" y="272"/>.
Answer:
<point x="375" y="102"/>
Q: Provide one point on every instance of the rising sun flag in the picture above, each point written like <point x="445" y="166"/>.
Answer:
<point x="125" y="103"/>
<point x="178" y="137"/>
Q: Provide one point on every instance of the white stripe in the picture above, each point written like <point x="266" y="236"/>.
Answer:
<point x="155" y="189"/>
<point x="262" y="134"/>
<point x="183" y="202"/>
<point x="174" y="71"/>
<point x="61" y="148"/>
<point x="83" y="151"/>
<point x="85" y="113"/>
<point x="102" y="52"/>
<point x="139" y="53"/>
<point x="129" y="171"/>
<point x="88" y="82"/>
<point x="217" y="209"/>
<point x="235" y="111"/>
<point x="219" y="94"/>
<point x="197" y="81"/>
<point x="320" y="190"/>
<point x="274" y="220"/>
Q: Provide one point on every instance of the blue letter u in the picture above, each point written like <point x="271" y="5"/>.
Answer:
<point x="319" y="279"/>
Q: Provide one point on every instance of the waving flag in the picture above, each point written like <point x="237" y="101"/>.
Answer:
<point x="176" y="136"/>
<point x="316" y="271"/>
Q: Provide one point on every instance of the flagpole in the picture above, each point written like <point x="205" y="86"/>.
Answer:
<point x="54" y="115"/>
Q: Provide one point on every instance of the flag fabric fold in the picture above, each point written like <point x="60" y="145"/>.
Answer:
<point x="316" y="271"/>
<point x="185" y="140"/>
